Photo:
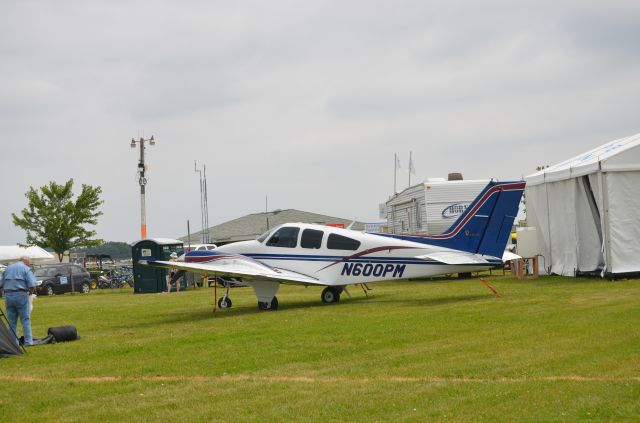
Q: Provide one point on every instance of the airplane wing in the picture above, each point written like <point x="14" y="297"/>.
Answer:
<point x="237" y="269"/>
<point x="454" y="257"/>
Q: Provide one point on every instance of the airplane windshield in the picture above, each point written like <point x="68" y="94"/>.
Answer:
<point x="264" y="236"/>
<point x="285" y="237"/>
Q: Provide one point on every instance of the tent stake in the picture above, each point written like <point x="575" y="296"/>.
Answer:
<point x="496" y="293"/>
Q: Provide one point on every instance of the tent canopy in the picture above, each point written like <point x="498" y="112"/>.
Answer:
<point x="587" y="210"/>
<point x="618" y="155"/>
<point x="9" y="253"/>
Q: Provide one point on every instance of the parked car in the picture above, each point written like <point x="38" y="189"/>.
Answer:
<point x="57" y="279"/>
<point x="199" y="247"/>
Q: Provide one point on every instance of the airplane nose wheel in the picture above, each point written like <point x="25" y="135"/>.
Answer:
<point x="268" y="305"/>
<point x="224" y="302"/>
<point x="330" y="295"/>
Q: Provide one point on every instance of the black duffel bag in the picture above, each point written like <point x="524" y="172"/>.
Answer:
<point x="64" y="333"/>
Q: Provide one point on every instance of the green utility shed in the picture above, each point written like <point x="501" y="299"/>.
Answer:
<point x="147" y="279"/>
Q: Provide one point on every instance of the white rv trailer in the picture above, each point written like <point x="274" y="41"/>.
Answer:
<point x="432" y="206"/>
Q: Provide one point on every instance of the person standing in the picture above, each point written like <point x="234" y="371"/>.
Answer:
<point x="172" y="277"/>
<point x="18" y="282"/>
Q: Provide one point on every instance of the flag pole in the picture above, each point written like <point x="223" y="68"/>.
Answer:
<point x="395" y="170"/>
<point x="410" y="164"/>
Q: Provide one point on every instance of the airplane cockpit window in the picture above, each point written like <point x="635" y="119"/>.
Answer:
<point x="286" y="237"/>
<point x="311" y="238"/>
<point x="263" y="236"/>
<point x="339" y="242"/>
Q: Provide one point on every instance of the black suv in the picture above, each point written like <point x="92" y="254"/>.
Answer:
<point x="57" y="279"/>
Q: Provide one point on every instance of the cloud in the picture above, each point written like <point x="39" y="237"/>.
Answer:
<point x="304" y="102"/>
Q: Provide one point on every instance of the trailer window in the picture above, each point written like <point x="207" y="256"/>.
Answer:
<point x="286" y="237"/>
<point x="311" y="238"/>
<point x="339" y="242"/>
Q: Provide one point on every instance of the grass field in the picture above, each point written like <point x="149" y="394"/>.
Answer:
<point x="553" y="349"/>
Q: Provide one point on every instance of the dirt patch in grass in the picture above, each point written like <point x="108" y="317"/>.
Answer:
<point x="306" y="379"/>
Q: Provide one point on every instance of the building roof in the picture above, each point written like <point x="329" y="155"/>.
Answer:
<point x="618" y="155"/>
<point x="253" y="225"/>
<point x="159" y="241"/>
<point x="10" y="253"/>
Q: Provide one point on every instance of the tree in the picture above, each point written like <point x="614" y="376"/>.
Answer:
<point x="52" y="219"/>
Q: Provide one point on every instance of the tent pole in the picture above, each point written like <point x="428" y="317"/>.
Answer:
<point x="604" y="217"/>
<point x="550" y="266"/>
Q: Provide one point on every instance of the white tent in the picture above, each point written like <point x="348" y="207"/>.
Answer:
<point x="10" y="253"/>
<point x="587" y="210"/>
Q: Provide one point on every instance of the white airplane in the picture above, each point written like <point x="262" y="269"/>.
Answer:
<point x="308" y="254"/>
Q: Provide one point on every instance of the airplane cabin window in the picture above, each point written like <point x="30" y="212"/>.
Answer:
<point x="286" y="237"/>
<point x="311" y="238"/>
<point x="339" y="242"/>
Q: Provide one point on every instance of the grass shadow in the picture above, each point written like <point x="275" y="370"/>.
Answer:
<point x="207" y="314"/>
<point x="450" y="300"/>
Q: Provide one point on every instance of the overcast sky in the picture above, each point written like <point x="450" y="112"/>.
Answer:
<point x="305" y="102"/>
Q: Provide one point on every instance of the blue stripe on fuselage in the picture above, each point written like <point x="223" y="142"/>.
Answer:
<point x="375" y="260"/>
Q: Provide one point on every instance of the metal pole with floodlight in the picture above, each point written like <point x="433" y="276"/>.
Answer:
<point x="142" y="181"/>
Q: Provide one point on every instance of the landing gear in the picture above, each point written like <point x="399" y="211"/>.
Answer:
<point x="268" y="305"/>
<point x="224" y="302"/>
<point x="331" y="294"/>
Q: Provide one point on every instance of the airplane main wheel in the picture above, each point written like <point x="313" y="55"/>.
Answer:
<point x="330" y="295"/>
<point x="268" y="305"/>
<point x="224" y="302"/>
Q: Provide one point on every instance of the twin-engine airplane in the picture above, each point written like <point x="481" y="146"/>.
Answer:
<point x="308" y="254"/>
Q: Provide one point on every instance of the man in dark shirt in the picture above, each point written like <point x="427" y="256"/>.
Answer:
<point x="18" y="282"/>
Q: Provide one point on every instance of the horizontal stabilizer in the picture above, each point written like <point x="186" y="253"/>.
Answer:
<point x="508" y="256"/>
<point x="452" y="257"/>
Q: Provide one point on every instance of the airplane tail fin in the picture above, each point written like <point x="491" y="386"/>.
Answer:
<point x="485" y="226"/>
